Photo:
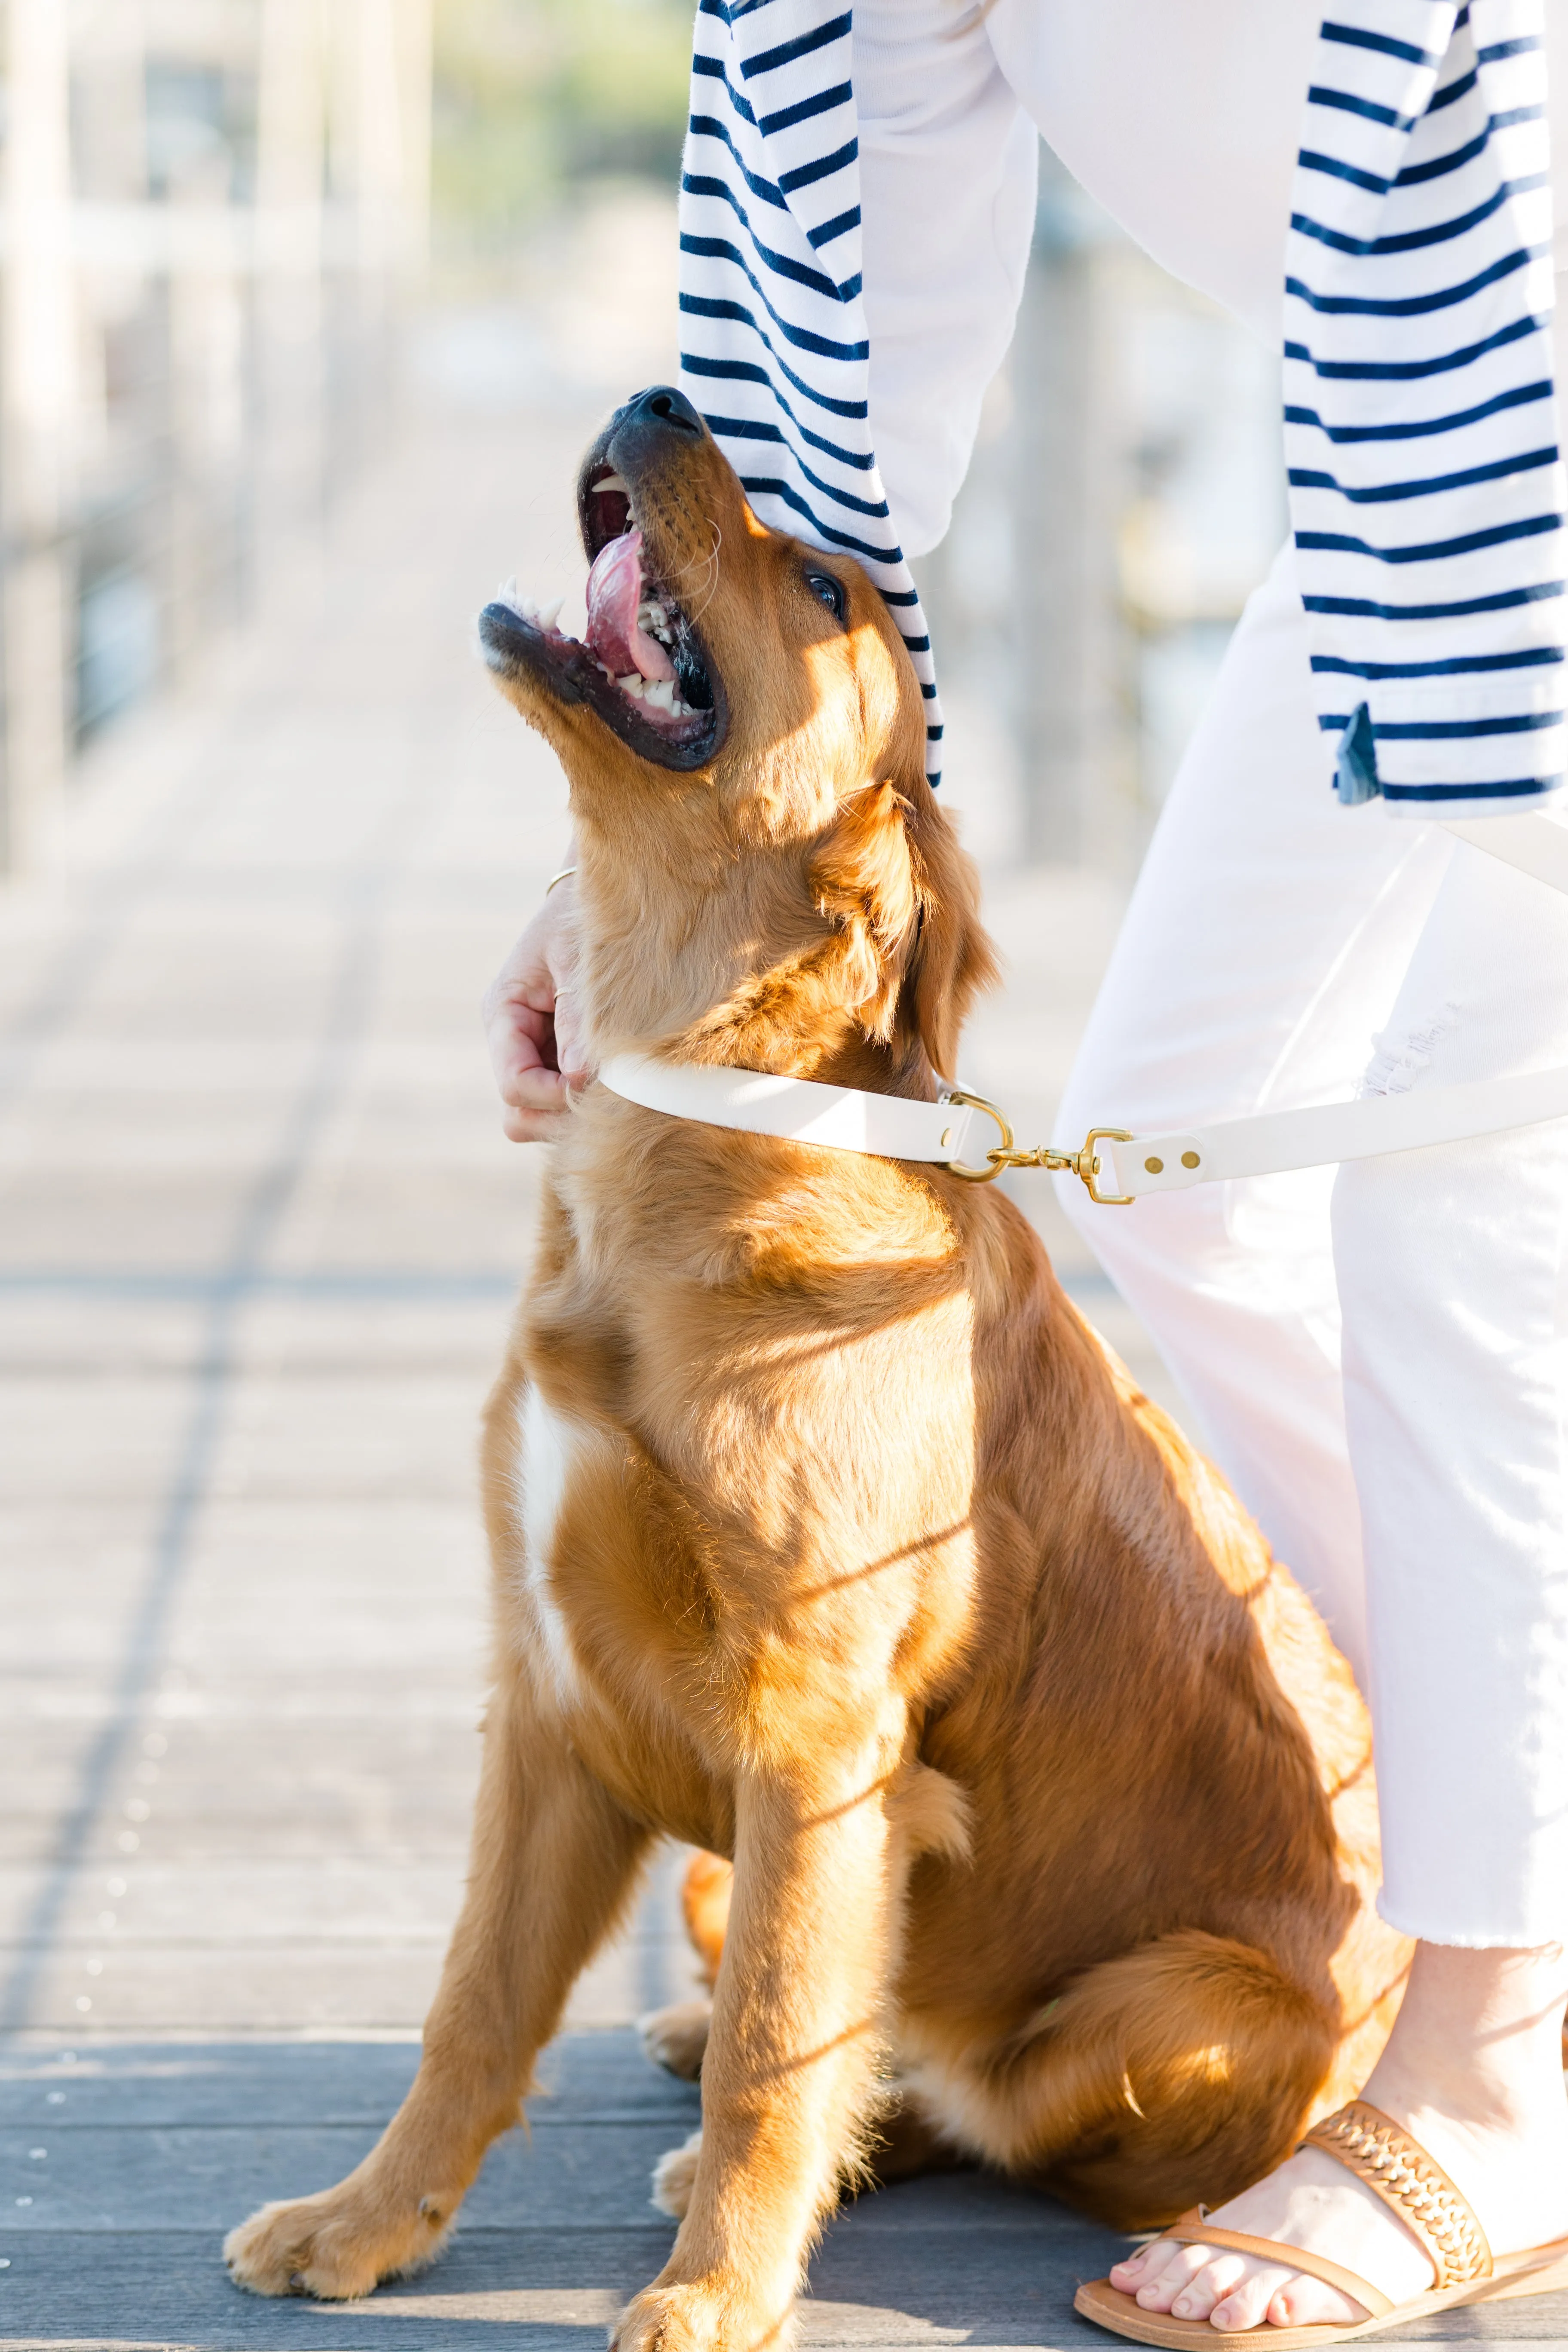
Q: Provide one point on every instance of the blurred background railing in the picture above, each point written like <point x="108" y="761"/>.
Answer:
<point x="215" y="212"/>
<point x="223" y="243"/>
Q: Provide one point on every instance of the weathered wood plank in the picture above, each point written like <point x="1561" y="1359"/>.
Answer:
<point x="178" y="2085"/>
<point x="210" y="2178"/>
<point x="971" y="2286"/>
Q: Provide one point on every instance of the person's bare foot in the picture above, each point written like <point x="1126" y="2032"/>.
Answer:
<point x="1310" y="2201"/>
<point x="1475" y="2076"/>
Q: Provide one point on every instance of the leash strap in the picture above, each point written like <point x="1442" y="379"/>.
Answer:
<point x="1117" y="1166"/>
<point x="1275" y="1142"/>
<point x="1278" y="1140"/>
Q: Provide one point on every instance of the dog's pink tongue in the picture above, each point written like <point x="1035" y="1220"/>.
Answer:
<point x="615" y="592"/>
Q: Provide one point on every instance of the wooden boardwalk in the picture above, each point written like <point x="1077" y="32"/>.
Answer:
<point x="153" y="2148"/>
<point x="259" y="1239"/>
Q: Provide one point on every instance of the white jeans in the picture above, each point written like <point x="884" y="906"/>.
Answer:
<point x="1379" y="1355"/>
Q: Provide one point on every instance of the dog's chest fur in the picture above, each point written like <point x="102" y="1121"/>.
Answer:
<point x="547" y="1446"/>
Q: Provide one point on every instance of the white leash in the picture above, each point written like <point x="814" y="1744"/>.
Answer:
<point x="845" y="1119"/>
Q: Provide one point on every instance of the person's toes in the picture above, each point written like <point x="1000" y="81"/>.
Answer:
<point x="1210" y="2283"/>
<point x="1306" y="2302"/>
<point x="1161" y="2288"/>
<point x="1243" y="2301"/>
<point x="1130" y="2274"/>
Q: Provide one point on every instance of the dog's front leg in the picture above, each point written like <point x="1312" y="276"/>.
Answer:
<point x="789" y="2072"/>
<point x="552" y="1863"/>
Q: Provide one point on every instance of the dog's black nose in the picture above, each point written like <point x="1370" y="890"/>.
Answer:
<point x="662" y="404"/>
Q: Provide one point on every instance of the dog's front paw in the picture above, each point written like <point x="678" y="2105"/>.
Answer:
<point x="701" y="2319"/>
<point x="677" y="2038"/>
<point x="335" y="2246"/>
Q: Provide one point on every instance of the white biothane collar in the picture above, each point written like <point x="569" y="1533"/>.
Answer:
<point x="797" y="1110"/>
<point x="1118" y="1166"/>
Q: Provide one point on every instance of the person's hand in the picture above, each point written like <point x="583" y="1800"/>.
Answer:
<point x="531" y="1024"/>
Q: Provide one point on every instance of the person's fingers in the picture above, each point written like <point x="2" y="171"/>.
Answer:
<point x="525" y="1079"/>
<point x="532" y="1026"/>
<point x="533" y="1126"/>
<point x="571" y="1052"/>
<point x="521" y="1042"/>
<point x="537" y="1104"/>
<point x="536" y="1089"/>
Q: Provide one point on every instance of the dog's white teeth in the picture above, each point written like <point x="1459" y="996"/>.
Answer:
<point x="662" y="691"/>
<point x="635" y="685"/>
<point x="610" y="482"/>
<point x="528" y="608"/>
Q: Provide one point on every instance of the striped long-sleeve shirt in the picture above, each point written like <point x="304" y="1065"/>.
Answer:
<point x="775" y="344"/>
<point x="1427" y="491"/>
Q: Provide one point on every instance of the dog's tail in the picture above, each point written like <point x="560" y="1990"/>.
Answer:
<point x="1179" y="2072"/>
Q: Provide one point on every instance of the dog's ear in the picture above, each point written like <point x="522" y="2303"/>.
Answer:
<point x="862" y="876"/>
<point x="906" y="902"/>
<point x="953" y="959"/>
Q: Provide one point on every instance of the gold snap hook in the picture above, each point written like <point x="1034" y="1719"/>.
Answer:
<point x="1086" y="1167"/>
<point x="1000" y="1156"/>
<point x="1085" y="1164"/>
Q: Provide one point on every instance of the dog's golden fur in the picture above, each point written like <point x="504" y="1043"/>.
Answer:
<point x="853" y="1554"/>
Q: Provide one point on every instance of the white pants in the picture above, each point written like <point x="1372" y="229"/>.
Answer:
<point x="1379" y="1354"/>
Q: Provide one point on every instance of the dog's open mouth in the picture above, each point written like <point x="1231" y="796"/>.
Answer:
<point x="641" y="663"/>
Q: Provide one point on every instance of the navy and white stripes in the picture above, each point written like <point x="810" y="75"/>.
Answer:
<point x="1427" y="488"/>
<point x="774" y="350"/>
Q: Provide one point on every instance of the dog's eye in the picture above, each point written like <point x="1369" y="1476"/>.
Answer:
<point x="827" y="590"/>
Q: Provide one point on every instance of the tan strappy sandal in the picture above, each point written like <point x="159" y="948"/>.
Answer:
<point x="1378" y="2152"/>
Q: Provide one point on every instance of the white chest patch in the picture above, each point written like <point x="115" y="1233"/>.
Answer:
<point x="549" y="1441"/>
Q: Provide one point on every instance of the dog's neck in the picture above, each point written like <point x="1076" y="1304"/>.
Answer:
<point x="683" y="967"/>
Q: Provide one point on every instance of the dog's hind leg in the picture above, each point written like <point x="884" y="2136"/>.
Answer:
<point x="1183" y="2070"/>
<point x="552" y="1863"/>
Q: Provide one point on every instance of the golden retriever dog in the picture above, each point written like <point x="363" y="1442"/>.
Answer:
<point x="828" y="1537"/>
